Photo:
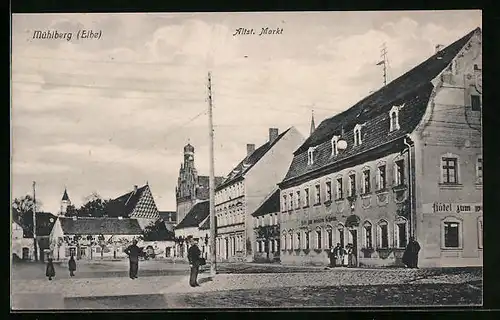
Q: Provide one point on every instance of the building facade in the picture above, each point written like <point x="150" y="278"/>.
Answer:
<point x="21" y="247"/>
<point x="244" y="190"/>
<point x="405" y="161"/>
<point x="267" y="229"/>
<point x="92" y="238"/>
<point x="191" y="188"/>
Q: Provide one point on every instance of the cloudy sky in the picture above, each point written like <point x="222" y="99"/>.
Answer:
<point x="103" y="115"/>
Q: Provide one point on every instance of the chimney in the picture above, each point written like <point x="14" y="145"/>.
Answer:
<point x="250" y="149"/>
<point x="439" y="47"/>
<point x="135" y="188"/>
<point x="273" y="134"/>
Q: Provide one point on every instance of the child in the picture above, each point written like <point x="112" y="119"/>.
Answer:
<point x="72" y="266"/>
<point x="50" y="271"/>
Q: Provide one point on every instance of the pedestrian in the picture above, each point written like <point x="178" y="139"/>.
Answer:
<point x="345" y="256"/>
<point x="194" y="261"/>
<point x="352" y="256"/>
<point x="72" y="265"/>
<point x="133" y="252"/>
<point x="410" y="256"/>
<point x="50" y="271"/>
<point x="335" y="255"/>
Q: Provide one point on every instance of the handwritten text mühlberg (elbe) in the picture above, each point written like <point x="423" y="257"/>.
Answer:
<point x="56" y="35"/>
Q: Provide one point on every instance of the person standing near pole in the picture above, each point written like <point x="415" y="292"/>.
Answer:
<point x="72" y="265"/>
<point x="194" y="261"/>
<point x="133" y="252"/>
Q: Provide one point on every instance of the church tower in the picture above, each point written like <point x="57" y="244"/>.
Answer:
<point x="65" y="202"/>
<point x="186" y="183"/>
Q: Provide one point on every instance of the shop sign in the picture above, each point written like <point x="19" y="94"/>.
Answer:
<point x="443" y="207"/>
<point x="318" y="220"/>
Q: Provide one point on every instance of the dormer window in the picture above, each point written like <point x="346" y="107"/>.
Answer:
<point x="357" y="135"/>
<point x="335" y="150"/>
<point x="394" y="118"/>
<point x="310" y="155"/>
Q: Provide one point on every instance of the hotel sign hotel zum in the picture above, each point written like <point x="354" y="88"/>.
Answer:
<point x="442" y="207"/>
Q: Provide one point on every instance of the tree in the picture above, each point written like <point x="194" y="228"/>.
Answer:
<point x="71" y="211"/>
<point x="157" y="232"/>
<point x="94" y="206"/>
<point x="22" y="206"/>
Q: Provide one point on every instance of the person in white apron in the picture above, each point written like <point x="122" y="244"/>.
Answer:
<point x="345" y="261"/>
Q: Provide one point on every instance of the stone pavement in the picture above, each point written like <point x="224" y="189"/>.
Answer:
<point x="332" y="277"/>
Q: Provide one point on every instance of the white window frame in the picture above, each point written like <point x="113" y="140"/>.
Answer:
<point x="480" y="232"/>
<point x="379" y="234"/>
<point x="328" y="191"/>
<point x="350" y="191"/>
<point x="290" y="201"/>
<point x="298" y="240"/>
<point x="357" y="135"/>
<point x="285" y="202"/>
<point x="457" y="169"/>
<point x="339" y="187"/>
<point x="317" y="193"/>
<point x="328" y="231"/>
<point x="307" y="197"/>
<point x="365" y="235"/>
<point x="395" y="172"/>
<point x="319" y="240"/>
<point x="307" y="239"/>
<point x="394" y="114"/>
<point x="283" y="240"/>
<point x="363" y="175"/>
<point x="334" y="142"/>
<point x="298" y="199"/>
<point x="379" y="176"/>
<point x="400" y="221"/>
<point x="310" y="155"/>
<point x="479" y="177"/>
<point x="290" y="240"/>
<point x="452" y="219"/>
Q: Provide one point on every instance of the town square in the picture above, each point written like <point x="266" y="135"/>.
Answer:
<point x="175" y="161"/>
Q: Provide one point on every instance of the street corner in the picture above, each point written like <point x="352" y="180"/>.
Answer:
<point x="37" y="301"/>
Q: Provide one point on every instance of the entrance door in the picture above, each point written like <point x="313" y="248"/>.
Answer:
<point x="26" y="253"/>
<point x="354" y="240"/>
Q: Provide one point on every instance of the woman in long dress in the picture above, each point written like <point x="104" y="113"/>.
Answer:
<point x="346" y="256"/>
<point x="50" y="272"/>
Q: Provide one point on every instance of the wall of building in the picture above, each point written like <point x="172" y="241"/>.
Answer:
<point x="372" y="208"/>
<point x="267" y="244"/>
<point x="198" y="235"/>
<point x="19" y="243"/>
<point x="262" y="179"/>
<point x="452" y="129"/>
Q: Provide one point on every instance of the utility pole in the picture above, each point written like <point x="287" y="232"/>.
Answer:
<point x="35" y="246"/>
<point x="213" y="268"/>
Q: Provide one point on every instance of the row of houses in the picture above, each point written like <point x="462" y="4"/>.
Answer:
<point x="405" y="161"/>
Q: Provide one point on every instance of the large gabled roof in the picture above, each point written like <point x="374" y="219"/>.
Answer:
<point x="97" y="226"/>
<point x="412" y="91"/>
<point x="249" y="161"/>
<point x="125" y="204"/>
<point x="195" y="216"/>
<point x="271" y="204"/>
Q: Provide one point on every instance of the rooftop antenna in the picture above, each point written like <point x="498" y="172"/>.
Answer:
<point x="384" y="62"/>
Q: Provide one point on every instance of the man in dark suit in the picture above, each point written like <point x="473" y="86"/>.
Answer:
<point x="133" y="252"/>
<point x="194" y="261"/>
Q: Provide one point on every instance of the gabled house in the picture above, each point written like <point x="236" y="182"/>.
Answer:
<point x="21" y="247"/>
<point x="137" y="204"/>
<point x="194" y="224"/>
<point x="406" y="161"/>
<point x="267" y="228"/>
<point x="244" y="189"/>
<point x="92" y="238"/>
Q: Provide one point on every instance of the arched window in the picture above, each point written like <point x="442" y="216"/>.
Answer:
<point x="297" y="240"/>
<point x="335" y="150"/>
<point x="368" y="234"/>
<point x="394" y="118"/>
<point x="383" y="234"/>
<point x="329" y="237"/>
<point x="290" y="240"/>
<point x="401" y="232"/>
<point x="319" y="238"/>
<point x="357" y="135"/>
<point x="283" y="240"/>
<point x="341" y="234"/>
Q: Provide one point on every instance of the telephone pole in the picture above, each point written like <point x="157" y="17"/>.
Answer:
<point x="35" y="247"/>
<point x="213" y="269"/>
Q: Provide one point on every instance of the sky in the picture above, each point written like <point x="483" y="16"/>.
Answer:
<point x="103" y="115"/>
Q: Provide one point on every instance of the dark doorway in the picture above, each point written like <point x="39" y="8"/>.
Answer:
<point x="354" y="236"/>
<point x="227" y="248"/>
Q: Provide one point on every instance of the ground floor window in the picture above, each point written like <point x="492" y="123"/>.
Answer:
<point x="367" y="228"/>
<point x="297" y="240"/>
<point x="401" y="234"/>
<point x="318" y="239"/>
<point x="383" y="234"/>
<point x="330" y="238"/>
<point x="451" y="232"/>
<point x="306" y="244"/>
<point x="283" y="240"/>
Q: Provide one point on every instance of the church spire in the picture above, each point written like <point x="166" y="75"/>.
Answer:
<point x="313" y="126"/>
<point x="65" y="196"/>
